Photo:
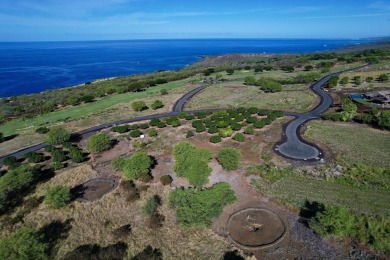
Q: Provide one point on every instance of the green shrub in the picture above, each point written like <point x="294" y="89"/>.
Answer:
<point x="12" y="162"/>
<point x="161" y="125"/>
<point x="215" y="139"/>
<point x="253" y="110"/>
<point x="225" y="132"/>
<point x="189" y="134"/>
<point x="135" y="133"/>
<point x="153" y="133"/>
<point x="24" y="243"/>
<point x="200" y="115"/>
<point x="200" y="128"/>
<point x="251" y="119"/>
<point x="134" y="127"/>
<point x="250" y="130"/>
<point x="138" y="106"/>
<point x="157" y="104"/>
<point x="197" y="123"/>
<point x="239" y="137"/>
<point x="383" y="78"/>
<point x="56" y="165"/>
<point x="150" y="206"/>
<point x="154" y="122"/>
<point x="120" y="129"/>
<point x="264" y="112"/>
<point x="42" y="130"/>
<point x="57" y="135"/>
<point x="57" y="197"/>
<point x="49" y="148"/>
<point x="189" y="117"/>
<point x="229" y="158"/>
<point x="222" y="124"/>
<point x="137" y="166"/>
<point x="118" y="163"/>
<point x="259" y="123"/>
<point x="144" y="126"/>
<point x="213" y="130"/>
<point x="58" y="155"/>
<point x="182" y="115"/>
<point x="34" y="157"/>
<point x="76" y="155"/>
<point x="99" y="143"/>
<point x="196" y="208"/>
<point x="15" y="181"/>
<point x="192" y="163"/>
<point x="166" y="180"/>
<point x="164" y="92"/>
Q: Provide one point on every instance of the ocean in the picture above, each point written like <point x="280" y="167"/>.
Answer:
<point x="31" y="67"/>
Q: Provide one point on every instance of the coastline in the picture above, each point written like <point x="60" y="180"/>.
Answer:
<point x="195" y="58"/>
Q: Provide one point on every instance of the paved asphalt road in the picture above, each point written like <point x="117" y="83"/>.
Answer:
<point x="293" y="146"/>
<point x="177" y="108"/>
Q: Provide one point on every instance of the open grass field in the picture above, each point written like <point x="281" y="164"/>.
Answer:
<point x="116" y="109"/>
<point x="72" y="113"/>
<point x="353" y="143"/>
<point x="295" y="190"/>
<point x="235" y="94"/>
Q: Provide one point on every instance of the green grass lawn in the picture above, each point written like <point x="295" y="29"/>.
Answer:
<point x="295" y="189"/>
<point x="71" y="113"/>
<point x="353" y="143"/>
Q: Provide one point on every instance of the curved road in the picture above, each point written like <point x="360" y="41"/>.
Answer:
<point x="293" y="146"/>
<point x="177" y="108"/>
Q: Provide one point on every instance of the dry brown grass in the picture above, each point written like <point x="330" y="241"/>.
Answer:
<point x="94" y="223"/>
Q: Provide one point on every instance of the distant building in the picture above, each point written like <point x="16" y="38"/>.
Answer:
<point x="380" y="97"/>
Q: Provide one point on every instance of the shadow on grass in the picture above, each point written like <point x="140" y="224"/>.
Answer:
<point x="94" y="251"/>
<point x="10" y="137"/>
<point x="53" y="233"/>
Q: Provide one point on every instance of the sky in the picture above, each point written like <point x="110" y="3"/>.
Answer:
<point x="69" y="20"/>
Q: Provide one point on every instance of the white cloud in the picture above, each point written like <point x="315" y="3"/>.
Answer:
<point x="339" y="16"/>
<point x="383" y="5"/>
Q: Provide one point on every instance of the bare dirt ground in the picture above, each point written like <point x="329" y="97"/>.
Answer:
<point x="296" y="240"/>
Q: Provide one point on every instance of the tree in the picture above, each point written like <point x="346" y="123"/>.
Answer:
<point x="138" y="106"/>
<point x="192" y="163"/>
<point x="23" y="244"/>
<point x="196" y="208"/>
<point x="345" y="80"/>
<point x="369" y="79"/>
<point x="57" y="135"/>
<point x="250" y="80"/>
<point x="383" y="78"/>
<point x="358" y="80"/>
<point x="137" y="166"/>
<point x="309" y="67"/>
<point x="58" y="196"/>
<point x="333" y="81"/>
<point x="76" y="155"/>
<point x="229" y="158"/>
<point x="230" y="71"/>
<point x="98" y="143"/>
<point x="157" y="104"/>
<point x="384" y="119"/>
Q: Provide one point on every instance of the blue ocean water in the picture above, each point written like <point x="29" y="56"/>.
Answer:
<point x="31" y="67"/>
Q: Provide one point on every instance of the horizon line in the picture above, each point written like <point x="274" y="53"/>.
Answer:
<point x="208" y="38"/>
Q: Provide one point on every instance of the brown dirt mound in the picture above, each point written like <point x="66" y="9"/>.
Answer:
<point x="255" y="228"/>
